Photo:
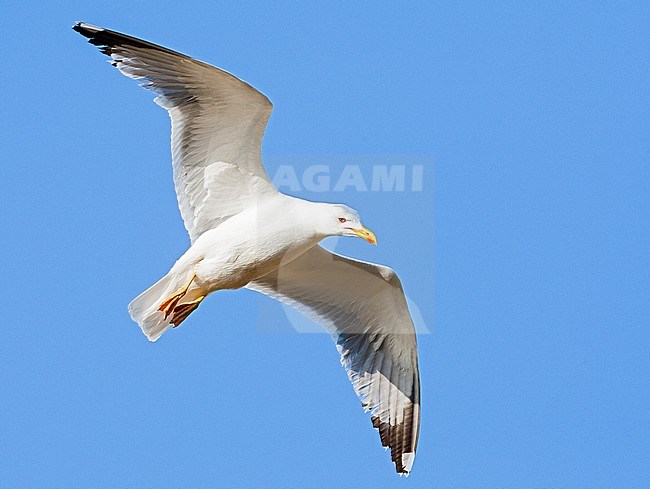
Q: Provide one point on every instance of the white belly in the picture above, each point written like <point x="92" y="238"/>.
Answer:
<point x="242" y="249"/>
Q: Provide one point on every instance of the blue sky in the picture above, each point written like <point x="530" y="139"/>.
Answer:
<point x="526" y="252"/>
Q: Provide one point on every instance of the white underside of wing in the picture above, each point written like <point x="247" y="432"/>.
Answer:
<point x="221" y="190"/>
<point x="218" y="121"/>
<point x="363" y="307"/>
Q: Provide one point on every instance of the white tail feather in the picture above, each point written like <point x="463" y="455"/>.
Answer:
<point x="144" y="308"/>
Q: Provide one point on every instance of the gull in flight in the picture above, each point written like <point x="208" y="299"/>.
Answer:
<point x="245" y="233"/>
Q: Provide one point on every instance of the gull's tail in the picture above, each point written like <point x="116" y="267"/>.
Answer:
<point x="159" y="307"/>
<point x="144" y="309"/>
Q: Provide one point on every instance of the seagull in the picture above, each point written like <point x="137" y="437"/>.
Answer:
<point x="245" y="233"/>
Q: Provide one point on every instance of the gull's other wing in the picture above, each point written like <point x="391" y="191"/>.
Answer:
<point x="363" y="306"/>
<point x="217" y="126"/>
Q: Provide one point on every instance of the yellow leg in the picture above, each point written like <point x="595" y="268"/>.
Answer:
<point x="170" y="303"/>
<point x="183" y="310"/>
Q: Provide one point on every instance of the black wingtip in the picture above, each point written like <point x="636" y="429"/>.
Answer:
<point x="86" y="30"/>
<point x="106" y="39"/>
<point x="100" y="37"/>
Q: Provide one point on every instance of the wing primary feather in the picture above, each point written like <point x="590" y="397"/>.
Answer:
<point x="217" y="119"/>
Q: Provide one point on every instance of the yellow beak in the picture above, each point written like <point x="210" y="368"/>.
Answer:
<point x="366" y="234"/>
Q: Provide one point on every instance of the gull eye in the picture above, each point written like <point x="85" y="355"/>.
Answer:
<point x="342" y="219"/>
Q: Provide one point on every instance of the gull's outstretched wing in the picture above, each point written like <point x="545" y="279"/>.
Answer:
<point x="217" y="126"/>
<point x="363" y="306"/>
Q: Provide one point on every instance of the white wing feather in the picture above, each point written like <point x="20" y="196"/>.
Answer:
<point x="363" y="306"/>
<point x="217" y="126"/>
